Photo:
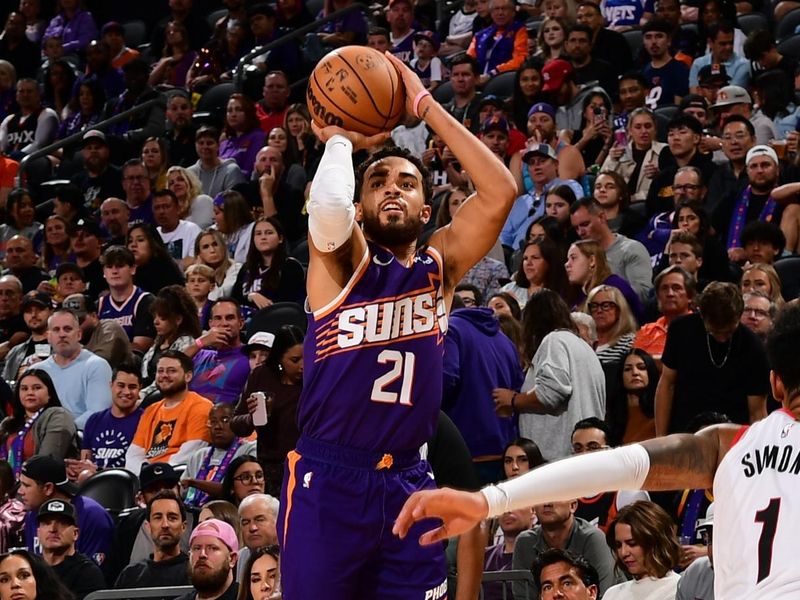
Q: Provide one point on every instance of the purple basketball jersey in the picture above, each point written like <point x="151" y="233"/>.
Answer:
<point x="373" y="374"/>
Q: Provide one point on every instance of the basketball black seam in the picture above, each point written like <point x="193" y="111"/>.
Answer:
<point x="354" y="118"/>
<point x="399" y="83"/>
<point x="391" y="102"/>
<point x="366" y="89"/>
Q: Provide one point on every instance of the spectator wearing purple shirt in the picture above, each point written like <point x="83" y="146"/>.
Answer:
<point x="74" y="26"/>
<point x="108" y="433"/>
<point x="346" y="30"/>
<point x="136" y="183"/>
<point x="44" y="478"/>
<point x="243" y="134"/>
<point x="220" y="368"/>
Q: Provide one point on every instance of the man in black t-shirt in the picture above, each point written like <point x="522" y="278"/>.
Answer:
<point x="712" y="363"/>
<point x="99" y="179"/>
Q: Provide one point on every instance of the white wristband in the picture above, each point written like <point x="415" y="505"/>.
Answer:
<point x="623" y="468"/>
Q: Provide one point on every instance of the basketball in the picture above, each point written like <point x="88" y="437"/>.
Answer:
<point x="356" y="88"/>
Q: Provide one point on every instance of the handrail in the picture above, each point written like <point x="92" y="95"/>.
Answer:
<point x="79" y="135"/>
<point x="299" y="32"/>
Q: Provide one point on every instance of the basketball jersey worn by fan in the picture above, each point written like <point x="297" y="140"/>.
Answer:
<point x="757" y="515"/>
<point x="126" y="312"/>
<point x="375" y="380"/>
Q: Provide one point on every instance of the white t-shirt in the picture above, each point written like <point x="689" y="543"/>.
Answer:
<point x="180" y="241"/>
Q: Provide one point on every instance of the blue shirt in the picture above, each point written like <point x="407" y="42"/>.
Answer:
<point x="738" y="69"/>
<point x="666" y="82"/>
<point x="108" y="437"/>
<point x="626" y="12"/>
<point x="527" y="208"/>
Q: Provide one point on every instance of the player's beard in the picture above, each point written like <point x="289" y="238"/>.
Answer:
<point x="395" y="232"/>
<point x="208" y="581"/>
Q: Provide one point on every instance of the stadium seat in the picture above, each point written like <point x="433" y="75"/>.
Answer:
<point x="135" y="33"/>
<point x="142" y="593"/>
<point x="215" y="16"/>
<point x="273" y="317"/>
<point x="300" y="253"/>
<point x="211" y="106"/>
<point x="501" y="85"/>
<point x="690" y="28"/>
<point x="314" y="7"/>
<point x="787" y="25"/>
<point x="532" y="25"/>
<point x="443" y="93"/>
<point x="790" y="46"/>
<point x="634" y="39"/>
<point x="751" y="22"/>
<point x="663" y="116"/>
<point x="114" y="489"/>
<point x="788" y="270"/>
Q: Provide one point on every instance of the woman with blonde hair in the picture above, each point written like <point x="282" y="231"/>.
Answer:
<point x="194" y="205"/>
<point x="761" y="277"/>
<point x="587" y="267"/>
<point x="642" y="538"/>
<point x="551" y="38"/>
<point x="211" y="250"/>
<point x="154" y="156"/>
<point x="615" y="323"/>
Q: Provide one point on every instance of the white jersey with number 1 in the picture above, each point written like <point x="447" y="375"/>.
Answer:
<point x="757" y="513"/>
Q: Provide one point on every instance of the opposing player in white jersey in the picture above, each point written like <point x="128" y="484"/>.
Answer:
<point x="754" y="471"/>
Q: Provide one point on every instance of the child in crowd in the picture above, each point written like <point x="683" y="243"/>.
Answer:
<point x="426" y="63"/>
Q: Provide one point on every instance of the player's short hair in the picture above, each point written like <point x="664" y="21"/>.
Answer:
<point x="783" y="351"/>
<point x="587" y="573"/>
<point x="427" y="186"/>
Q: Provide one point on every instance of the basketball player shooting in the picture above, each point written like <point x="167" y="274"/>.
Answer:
<point x="754" y="472"/>
<point x="373" y="376"/>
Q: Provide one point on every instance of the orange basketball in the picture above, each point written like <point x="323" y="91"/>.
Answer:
<point x="356" y="88"/>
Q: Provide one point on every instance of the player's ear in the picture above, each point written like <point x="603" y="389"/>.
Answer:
<point x="359" y="212"/>
<point x="425" y="213"/>
<point x="778" y="389"/>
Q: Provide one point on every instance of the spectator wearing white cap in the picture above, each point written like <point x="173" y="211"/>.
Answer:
<point x="735" y="100"/>
<point x="754" y="203"/>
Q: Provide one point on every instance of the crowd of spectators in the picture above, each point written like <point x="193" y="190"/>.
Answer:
<point x="158" y="285"/>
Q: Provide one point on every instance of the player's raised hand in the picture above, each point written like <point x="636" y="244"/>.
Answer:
<point x="459" y="512"/>
<point x="359" y="140"/>
<point x="411" y="82"/>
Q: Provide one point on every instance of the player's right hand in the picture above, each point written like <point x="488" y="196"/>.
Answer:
<point x="359" y="140"/>
<point x="459" y="512"/>
<point x="411" y="81"/>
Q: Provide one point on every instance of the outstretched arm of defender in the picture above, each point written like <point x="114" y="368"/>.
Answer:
<point x="673" y="462"/>
<point x="476" y="226"/>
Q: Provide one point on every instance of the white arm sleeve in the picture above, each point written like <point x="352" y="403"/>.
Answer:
<point x="620" y="469"/>
<point x="331" y="214"/>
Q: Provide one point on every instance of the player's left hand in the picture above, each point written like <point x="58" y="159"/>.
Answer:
<point x="459" y="511"/>
<point x="411" y="81"/>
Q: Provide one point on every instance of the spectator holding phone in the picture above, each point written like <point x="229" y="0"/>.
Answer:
<point x="593" y="138"/>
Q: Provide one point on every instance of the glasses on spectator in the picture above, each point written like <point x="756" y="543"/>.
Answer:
<point x="248" y="478"/>
<point x="135" y="177"/>
<point x="602" y="306"/>
<point x="215" y="422"/>
<point x="468" y="301"/>
<point x="756" y="312"/>
<point x="686" y="187"/>
<point x="590" y="447"/>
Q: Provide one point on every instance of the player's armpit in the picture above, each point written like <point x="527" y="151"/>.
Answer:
<point x="683" y="461"/>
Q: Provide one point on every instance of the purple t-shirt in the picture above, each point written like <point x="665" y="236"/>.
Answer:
<point x="95" y="525"/>
<point x="243" y="149"/>
<point x="220" y="375"/>
<point x="108" y="437"/>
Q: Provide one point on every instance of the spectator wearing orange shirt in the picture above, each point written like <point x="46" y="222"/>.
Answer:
<point x="503" y="46"/>
<point x="173" y="428"/>
<point x="675" y="290"/>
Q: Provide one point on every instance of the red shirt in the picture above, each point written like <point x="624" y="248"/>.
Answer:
<point x="270" y="120"/>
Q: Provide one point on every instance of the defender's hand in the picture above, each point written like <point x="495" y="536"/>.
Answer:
<point x="459" y="511"/>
